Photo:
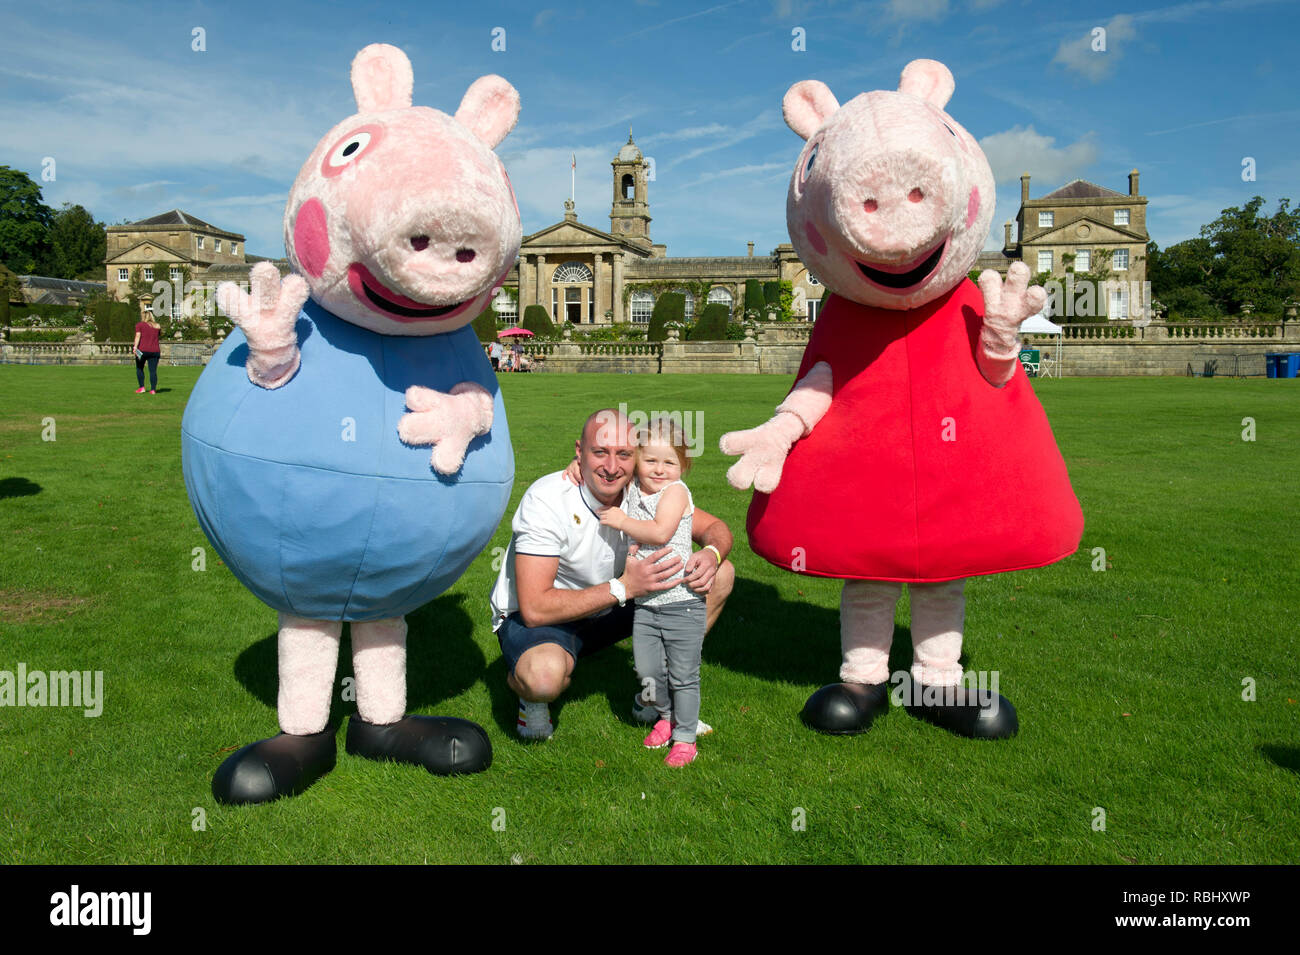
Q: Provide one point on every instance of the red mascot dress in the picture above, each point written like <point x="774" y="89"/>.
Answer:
<point x="936" y="474"/>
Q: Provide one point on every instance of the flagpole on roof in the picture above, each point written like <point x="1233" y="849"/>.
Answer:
<point x="573" y="175"/>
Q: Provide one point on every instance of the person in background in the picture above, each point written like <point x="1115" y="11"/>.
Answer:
<point x="146" y="347"/>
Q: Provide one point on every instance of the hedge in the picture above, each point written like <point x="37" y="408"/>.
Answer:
<point x="670" y="307"/>
<point x="756" y="298"/>
<point x="537" y="321"/>
<point x="485" y="326"/>
<point x="712" y="326"/>
<point x="61" y="316"/>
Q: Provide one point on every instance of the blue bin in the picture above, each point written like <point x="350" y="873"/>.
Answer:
<point x="1273" y="364"/>
<point x="1289" y="367"/>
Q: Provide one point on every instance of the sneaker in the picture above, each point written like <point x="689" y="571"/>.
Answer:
<point x="140" y="390"/>
<point x="680" y="755"/>
<point x="644" y="712"/>
<point x="534" y="721"/>
<point x="660" y="735"/>
<point x="152" y="392"/>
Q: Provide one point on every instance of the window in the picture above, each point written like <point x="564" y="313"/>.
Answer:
<point x="234" y="248"/>
<point x="148" y="273"/>
<point x="643" y="304"/>
<point x="690" y="304"/>
<point x="571" y="272"/>
<point x="505" y="306"/>
<point x="123" y="275"/>
<point x="813" y="280"/>
<point x="1083" y="260"/>
<point x="1046" y="220"/>
<point x="200" y="242"/>
<point x="1119" y="261"/>
<point x="174" y="274"/>
<point x="216" y="245"/>
<point x="813" y="305"/>
<point x="1121" y="217"/>
<point x="719" y="295"/>
<point x="629" y="187"/>
<point x="1044" y="260"/>
<point x="1118" y="303"/>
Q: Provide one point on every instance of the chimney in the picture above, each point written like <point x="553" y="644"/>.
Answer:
<point x="1006" y="242"/>
<point x="1024" y="188"/>
<point x="1133" y="183"/>
<point x="751" y="250"/>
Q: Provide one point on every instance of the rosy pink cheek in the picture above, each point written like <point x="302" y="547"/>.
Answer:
<point x="972" y="207"/>
<point x="311" y="240"/>
<point x="815" y="238"/>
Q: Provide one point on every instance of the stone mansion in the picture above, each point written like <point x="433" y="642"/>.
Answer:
<point x="590" y="277"/>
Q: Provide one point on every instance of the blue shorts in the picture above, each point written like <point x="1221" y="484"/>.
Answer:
<point x="579" y="638"/>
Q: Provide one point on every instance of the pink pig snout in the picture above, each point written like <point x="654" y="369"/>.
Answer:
<point x="437" y="238"/>
<point x="897" y="204"/>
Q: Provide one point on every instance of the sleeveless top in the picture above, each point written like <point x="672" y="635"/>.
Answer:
<point x="642" y="507"/>
<point x="920" y="471"/>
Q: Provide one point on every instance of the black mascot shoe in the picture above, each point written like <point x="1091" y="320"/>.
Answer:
<point x="979" y="714"/>
<point x="444" y="745"/>
<point x="283" y="765"/>
<point x="842" y="708"/>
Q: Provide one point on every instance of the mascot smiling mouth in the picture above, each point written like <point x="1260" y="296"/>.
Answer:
<point x="381" y="299"/>
<point x="912" y="274"/>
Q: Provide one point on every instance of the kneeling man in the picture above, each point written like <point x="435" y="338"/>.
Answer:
<point x="566" y="588"/>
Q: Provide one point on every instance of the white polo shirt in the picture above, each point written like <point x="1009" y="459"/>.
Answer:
<point x="557" y="519"/>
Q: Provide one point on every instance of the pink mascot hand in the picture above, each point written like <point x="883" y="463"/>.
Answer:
<point x="1006" y="306"/>
<point x="267" y="318"/>
<point x="762" y="451"/>
<point x="447" y="421"/>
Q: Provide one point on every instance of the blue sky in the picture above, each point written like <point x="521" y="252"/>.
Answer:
<point x="138" y="122"/>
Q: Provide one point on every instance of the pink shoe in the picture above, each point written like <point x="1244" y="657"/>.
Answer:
<point x="680" y="755"/>
<point x="660" y="735"/>
<point x="139" y="391"/>
<point x="152" y="392"/>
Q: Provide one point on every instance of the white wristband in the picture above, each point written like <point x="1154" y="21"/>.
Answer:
<point x="618" y="590"/>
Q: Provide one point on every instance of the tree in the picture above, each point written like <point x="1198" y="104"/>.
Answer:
<point x="1242" y="256"/>
<point x="669" y="307"/>
<point x="24" y="223"/>
<point x="538" y="321"/>
<point x="78" y="243"/>
<point x="755" y="300"/>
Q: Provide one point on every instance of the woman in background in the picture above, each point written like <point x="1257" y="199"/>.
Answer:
<point x="146" y="348"/>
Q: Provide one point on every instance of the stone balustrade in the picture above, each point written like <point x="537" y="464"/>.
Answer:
<point x="1086" y="349"/>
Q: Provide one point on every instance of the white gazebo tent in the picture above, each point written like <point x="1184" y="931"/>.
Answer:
<point x="1040" y="324"/>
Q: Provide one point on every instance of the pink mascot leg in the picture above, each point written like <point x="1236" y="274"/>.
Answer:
<point x="867" y="629"/>
<point x="304" y="751"/>
<point x="866" y="632"/>
<point x="382" y="730"/>
<point x="309" y="654"/>
<point x="379" y="660"/>
<point x="938" y="618"/>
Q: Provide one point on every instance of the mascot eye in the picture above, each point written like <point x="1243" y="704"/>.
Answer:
<point x="808" y="163"/>
<point x="348" y="150"/>
<point x="949" y="128"/>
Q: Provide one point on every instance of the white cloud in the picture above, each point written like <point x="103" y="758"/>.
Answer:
<point x="1024" y="149"/>
<point x="1094" y="55"/>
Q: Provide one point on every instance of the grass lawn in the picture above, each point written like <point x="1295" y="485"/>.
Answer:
<point x="1128" y="682"/>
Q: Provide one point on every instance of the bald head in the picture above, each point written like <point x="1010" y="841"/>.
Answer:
<point x="606" y="455"/>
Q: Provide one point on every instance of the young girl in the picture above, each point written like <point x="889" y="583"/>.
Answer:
<point x="668" y="628"/>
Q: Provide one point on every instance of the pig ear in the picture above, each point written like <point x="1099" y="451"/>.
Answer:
<point x="489" y="109"/>
<point x="807" y="105"/>
<point x="381" y="79"/>
<point x="929" y="80"/>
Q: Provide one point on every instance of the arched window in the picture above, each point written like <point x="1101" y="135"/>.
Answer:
<point x="629" y="187"/>
<point x="813" y="280"/>
<point x="719" y="295"/>
<point x="643" y="304"/>
<point x="505" y="306"/>
<point x="690" y="303"/>
<point x="571" y="272"/>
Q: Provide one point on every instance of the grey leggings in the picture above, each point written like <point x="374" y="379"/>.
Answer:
<point x="666" y="645"/>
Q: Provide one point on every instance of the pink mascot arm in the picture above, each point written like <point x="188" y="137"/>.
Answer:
<point x="267" y="318"/>
<point x="448" y="421"/>
<point x="1005" y="308"/>
<point x="763" y="450"/>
